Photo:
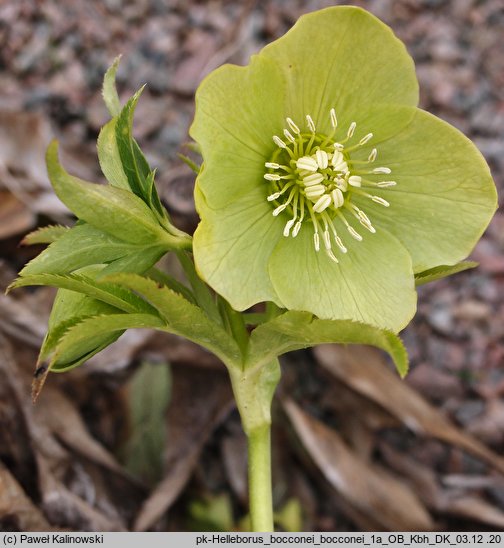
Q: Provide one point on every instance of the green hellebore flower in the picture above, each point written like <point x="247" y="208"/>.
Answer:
<point x="323" y="187"/>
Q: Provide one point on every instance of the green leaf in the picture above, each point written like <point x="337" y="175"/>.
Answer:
<point x="85" y="245"/>
<point x="97" y="332"/>
<point x="111" y="294"/>
<point x="113" y="210"/>
<point x="169" y="281"/>
<point x="45" y="235"/>
<point x="148" y="396"/>
<point x="108" y="156"/>
<point x="109" y="90"/>
<point x="69" y="309"/>
<point x="182" y="317"/>
<point x="295" y="330"/>
<point x="442" y="271"/>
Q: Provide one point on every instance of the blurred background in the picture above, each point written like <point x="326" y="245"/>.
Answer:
<point x="145" y="436"/>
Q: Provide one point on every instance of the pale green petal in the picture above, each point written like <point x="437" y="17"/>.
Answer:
<point x="342" y="57"/>
<point x="232" y="247"/>
<point x="373" y="283"/>
<point x="444" y="198"/>
<point x="238" y="110"/>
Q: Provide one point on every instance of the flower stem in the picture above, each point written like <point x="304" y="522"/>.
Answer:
<point x="259" y="473"/>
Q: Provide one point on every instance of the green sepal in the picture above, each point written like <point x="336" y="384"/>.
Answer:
<point x="96" y="332"/>
<point x="109" y="90"/>
<point x="294" y="330"/>
<point x="442" y="271"/>
<point x="45" y="235"/>
<point x="113" y="210"/>
<point x="183" y="318"/>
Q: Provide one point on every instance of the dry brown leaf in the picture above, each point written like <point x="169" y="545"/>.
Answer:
<point x="66" y="424"/>
<point x="370" y="491"/>
<point x="201" y="400"/>
<point x="365" y="371"/>
<point x="451" y="501"/>
<point x="16" y="508"/>
<point x="15" y="217"/>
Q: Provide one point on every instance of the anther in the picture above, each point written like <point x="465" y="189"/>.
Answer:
<point x="274" y="196"/>
<point x="340" y="244"/>
<point x="338" y="146"/>
<point x="296" y="229"/>
<point x="322" y="203"/>
<point x="351" y="129"/>
<point x="327" y="239"/>
<point x="365" y="139"/>
<point x="355" y="180"/>
<point x="288" y="226"/>
<point x="322" y="159"/>
<point x="311" y="124"/>
<point x="279" y="210"/>
<point x="386" y="184"/>
<point x="338" y="161"/>
<point x="279" y="142"/>
<point x="272" y="177"/>
<point x="292" y="126"/>
<point x="331" y="255"/>
<point x="341" y="184"/>
<point x="314" y="191"/>
<point x="354" y="233"/>
<point x="289" y="136"/>
<point x="307" y="163"/>
<point x="380" y="201"/>
<point x="316" y="241"/>
<point x="337" y="197"/>
<point x="313" y="179"/>
<point x="372" y="156"/>
<point x="334" y="120"/>
<point x="382" y="170"/>
<point x="272" y="165"/>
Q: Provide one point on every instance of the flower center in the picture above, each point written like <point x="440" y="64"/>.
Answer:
<point x="313" y="178"/>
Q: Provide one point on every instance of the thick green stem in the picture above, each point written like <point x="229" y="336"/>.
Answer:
<point x="259" y="474"/>
<point x="253" y="388"/>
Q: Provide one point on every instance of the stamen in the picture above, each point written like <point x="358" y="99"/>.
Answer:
<point x="272" y="177"/>
<point x="382" y="170"/>
<point x="338" y="161"/>
<point x="272" y="165"/>
<point x="338" y="146"/>
<point x="273" y="197"/>
<point x="292" y="126"/>
<point x="337" y="197"/>
<point x="314" y="191"/>
<point x="355" y="180"/>
<point x="386" y="184"/>
<point x="322" y="203"/>
<point x="316" y="241"/>
<point x="334" y="120"/>
<point x="337" y="239"/>
<point x="327" y="239"/>
<point x="311" y="124"/>
<point x="279" y="141"/>
<point x="322" y="159"/>
<point x="297" y="228"/>
<point x="365" y="139"/>
<point x="380" y="201"/>
<point x="331" y="256"/>
<point x="372" y="156"/>
<point x="313" y="179"/>
<point x="307" y="163"/>
<point x="341" y="184"/>
<point x="351" y="130"/>
<point x="288" y="226"/>
<point x="279" y="210"/>
<point x="354" y="233"/>
<point x="289" y="136"/>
